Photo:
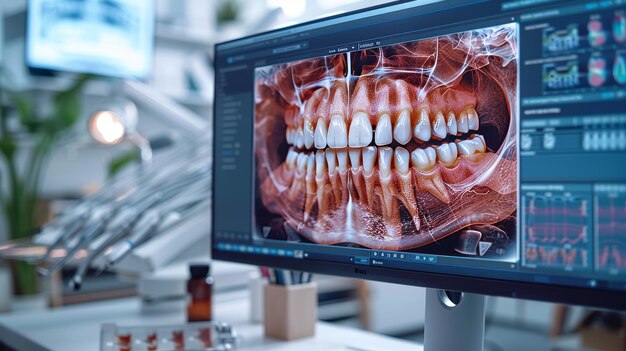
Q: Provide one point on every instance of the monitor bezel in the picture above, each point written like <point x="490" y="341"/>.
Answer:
<point x="583" y="296"/>
<point x="591" y="297"/>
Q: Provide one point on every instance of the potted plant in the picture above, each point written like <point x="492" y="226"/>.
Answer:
<point x="19" y="199"/>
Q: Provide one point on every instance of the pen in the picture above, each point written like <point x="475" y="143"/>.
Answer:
<point x="296" y="277"/>
<point x="265" y="272"/>
<point x="306" y="277"/>
<point x="280" y="280"/>
<point x="287" y="277"/>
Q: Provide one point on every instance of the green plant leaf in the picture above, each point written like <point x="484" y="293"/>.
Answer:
<point x="50" y="127"/>
<point x="25" y="278"/>
<point x="67" y="110"/>
<point x="26" y="114"/>
<point x="117" y="164"/>
<point x="8" y="147"/>
<point x="67" y="104"/>
<point x="20" y="199"/>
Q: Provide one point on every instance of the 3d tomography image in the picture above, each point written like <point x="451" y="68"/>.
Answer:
<point x="411" y="146"/>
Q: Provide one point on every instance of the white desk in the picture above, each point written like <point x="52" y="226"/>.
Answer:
<point x="78" y="328"/>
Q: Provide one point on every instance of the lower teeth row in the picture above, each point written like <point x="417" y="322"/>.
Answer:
<point x="423" y="159"/>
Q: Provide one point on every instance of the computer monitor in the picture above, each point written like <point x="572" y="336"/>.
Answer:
<point x="474" y="146"/>
<point x="112" y="38"/>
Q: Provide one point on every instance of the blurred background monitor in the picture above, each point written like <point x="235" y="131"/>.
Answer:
<point x="104" y="37"/>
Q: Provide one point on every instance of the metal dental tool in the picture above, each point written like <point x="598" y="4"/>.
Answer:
<point x="155" y="224"/>
<point x="122" y="226"/>
<point x="90" y="232"/>
<point x="64" y="226"/>
<point x="71" y="230"/>
<point x="119" y="226"/>
<point x="95" y="225"/>
<point x="129" y="211"/>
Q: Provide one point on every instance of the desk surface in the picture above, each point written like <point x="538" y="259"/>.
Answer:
<point x="78" y="328"/>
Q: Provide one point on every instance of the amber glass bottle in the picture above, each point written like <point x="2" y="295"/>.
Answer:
<point x="199" y="288"/>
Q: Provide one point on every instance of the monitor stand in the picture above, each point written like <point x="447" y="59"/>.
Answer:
<point x="454" y="321"/>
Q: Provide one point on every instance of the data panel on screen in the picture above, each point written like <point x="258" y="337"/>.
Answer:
<point x="410" y="146"/>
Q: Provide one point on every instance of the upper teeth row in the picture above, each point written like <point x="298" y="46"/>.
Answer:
<point x="361" y="133"/>
<point x="423" y="159"/>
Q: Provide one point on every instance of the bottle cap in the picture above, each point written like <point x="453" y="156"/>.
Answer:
<point x="199" y="270"/>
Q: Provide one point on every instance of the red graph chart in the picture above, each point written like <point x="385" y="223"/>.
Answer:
<point x="557" y="229"/>
<point x="611" y="231"/>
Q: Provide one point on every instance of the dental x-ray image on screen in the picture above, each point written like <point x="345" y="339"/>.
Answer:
<point x="110" y="38"/>
<point x="410" y="146"/>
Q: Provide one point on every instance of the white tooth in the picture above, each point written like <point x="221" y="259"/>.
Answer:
<point x="337" y="133"/>
<point x="447" y="153"/>
<point x="369" y="158"/>
<point x="479" y="143"/>
<point x="383" y="130"/>
<point x="420" y="160"/>
<point x="451" y="124"/>
<point x="331" y="161"/>
<point x="384" y="160"/>
<point x="320" y="134"/>
<point x="288" y="135"/>
<point x="342" y="159"/>
<point x="302" y="159"/>
<point x="310" y="165"/>
<point x="299" y="138"/>
<point x="308" y="133"/>
<point x="466" y="147"/>
<point x="444" y="154"/>
<point x="453" y="151"/>
<point x="478" y="136"/>
<point x="472" y="120"/>
<point x="292" y="155"/>
<point x="401" y="160"/>
<point x="320" y="163"/>
<point x="402" y="129"/>
<point x="462" y="124"/>
<point x="355" y="158"/>
<point x="422" y="128"/>
<point x="360" y="130"/>
<point x="439" y="126"/>
<point x="432" y="155"/>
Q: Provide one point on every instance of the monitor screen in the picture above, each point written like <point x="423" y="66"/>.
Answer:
<point x="103" y="37"/>
<point x="465" y="145"/>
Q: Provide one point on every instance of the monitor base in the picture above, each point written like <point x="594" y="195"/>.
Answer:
<point x="454" y="321"/>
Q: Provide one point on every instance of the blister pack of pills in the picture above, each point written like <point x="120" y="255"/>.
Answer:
<point x="203" y="336"/>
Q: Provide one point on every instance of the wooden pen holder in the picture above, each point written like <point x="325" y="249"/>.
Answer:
<point x="290" y="311"/>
